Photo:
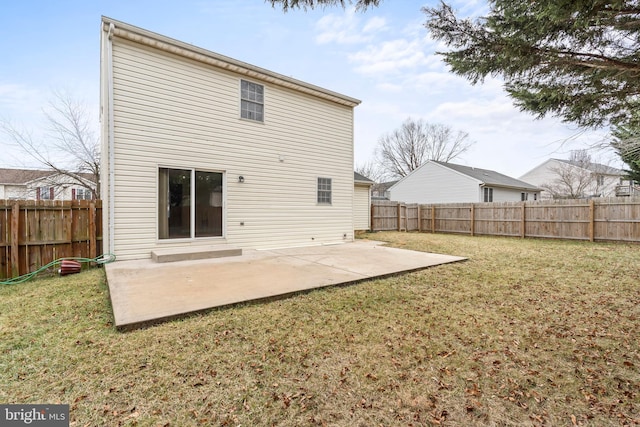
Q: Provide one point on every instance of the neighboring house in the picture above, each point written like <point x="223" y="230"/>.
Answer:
<point x="361" y="202"/>
<point x="30" y="184"/>
<point x="199" y="149"/>
<point x="572" y="179"/>
<point x="380" y="191"/>
<point x="440" y="182"/>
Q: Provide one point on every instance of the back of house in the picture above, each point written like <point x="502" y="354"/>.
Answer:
<point x="200" y="149"/>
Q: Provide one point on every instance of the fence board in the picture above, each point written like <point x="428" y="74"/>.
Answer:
<point x="34" y="233"/>
<point x="614" y="219"/>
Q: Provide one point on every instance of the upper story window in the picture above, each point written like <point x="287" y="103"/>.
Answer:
<point x="324" y="191"/>
<point x="600" y="180"/>
<point x="251" y="101"/>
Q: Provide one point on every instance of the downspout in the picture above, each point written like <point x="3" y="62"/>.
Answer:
<point x="112" y="180"/>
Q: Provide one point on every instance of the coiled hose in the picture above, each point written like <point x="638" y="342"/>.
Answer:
<point x="100" y="260"/>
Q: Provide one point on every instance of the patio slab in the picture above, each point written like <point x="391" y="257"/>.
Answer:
<point x="143" y="291"/>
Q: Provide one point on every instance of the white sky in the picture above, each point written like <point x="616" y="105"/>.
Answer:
<point x="383" y="56"/>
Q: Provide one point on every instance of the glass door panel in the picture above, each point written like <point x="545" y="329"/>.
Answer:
<point x="208" y="204"/>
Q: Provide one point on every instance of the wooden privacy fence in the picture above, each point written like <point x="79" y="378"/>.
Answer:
<point x="611" y="219"/>
<point x="34" y="233"/>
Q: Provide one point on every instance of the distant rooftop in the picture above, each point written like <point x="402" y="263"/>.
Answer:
<point x="361" y="178"/>
<point x="489" y="177"/>
<point x="594" y="167"/>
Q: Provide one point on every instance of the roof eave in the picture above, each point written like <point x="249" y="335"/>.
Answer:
<point x="149" y="38"/>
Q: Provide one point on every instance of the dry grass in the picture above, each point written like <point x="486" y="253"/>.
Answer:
<point x="526" y="332"/>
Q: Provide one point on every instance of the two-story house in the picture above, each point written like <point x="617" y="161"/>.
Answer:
<point x="32" y="184"/>
<point x="201" y="149"/>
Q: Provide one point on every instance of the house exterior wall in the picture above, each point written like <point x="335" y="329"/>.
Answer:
<point x="547" y="172"/>
<point x="175" y="112"/>
<point x="433" y="183"/>
<point x="30" y="192"/>
<point x="362" y="207"/>
<point x="501" y="194"/>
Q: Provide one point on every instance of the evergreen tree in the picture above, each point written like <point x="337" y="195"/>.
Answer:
<point x="626" y="142"/>
<point x="576" y="59"/>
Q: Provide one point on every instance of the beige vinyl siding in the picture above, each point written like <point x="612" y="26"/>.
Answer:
<point x="362" y="207"/>
<point x="175" y="112"/>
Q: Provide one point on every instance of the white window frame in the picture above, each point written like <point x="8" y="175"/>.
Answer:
<point x="322" y="191"/>
<point x="86" y="194"/>
<point x="487" y="193"/>
<point x="250" y="97"/>
<point x="44" y="193"/>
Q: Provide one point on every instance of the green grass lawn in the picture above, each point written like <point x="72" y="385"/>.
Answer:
<point x="526" y="332"/>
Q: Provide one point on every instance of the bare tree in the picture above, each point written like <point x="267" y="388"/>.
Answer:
<point x="576" y="178"/>
<point x="312" y="4"/>
<point x="70" y="148"/>
<point x="371" y="170"/>
<point x="415" y="142"/>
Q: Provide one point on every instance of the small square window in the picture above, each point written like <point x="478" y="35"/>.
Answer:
<point x="324" y="191"/>
<point x="251" y="101"/>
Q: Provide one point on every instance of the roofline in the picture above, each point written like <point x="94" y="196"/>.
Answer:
<point x="513" y="187"/>
<point x="359" y="181"/>
<point x="480" y="182"/>
<point x="167" y="44"/>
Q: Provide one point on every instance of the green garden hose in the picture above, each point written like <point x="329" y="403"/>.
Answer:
<point x="100" y="260"/>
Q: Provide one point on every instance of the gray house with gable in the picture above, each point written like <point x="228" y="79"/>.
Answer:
<point x="440" y="182"/>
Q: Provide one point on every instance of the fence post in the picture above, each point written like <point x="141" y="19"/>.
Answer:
<point x="15" y="226"/>
<point x="523" y="221"/>
<point x="433" y="218"/>
<point x="591" y="220"/>
<point x="473" y="215"/>
<point x="419" y="219"/>
<point x="92" y="230"/>
<point x="372" y="215"/>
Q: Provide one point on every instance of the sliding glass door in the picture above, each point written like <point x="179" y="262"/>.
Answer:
<point x="189" y="203"/>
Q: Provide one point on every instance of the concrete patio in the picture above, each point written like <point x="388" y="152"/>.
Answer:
<point x="143" y="291"/>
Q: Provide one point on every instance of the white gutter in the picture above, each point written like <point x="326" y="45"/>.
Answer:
<point x="111" y="130"/>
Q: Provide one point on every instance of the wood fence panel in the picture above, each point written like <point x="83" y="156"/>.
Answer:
<point x="412" y="217"/>
<point x="615" y="219"/>
<point x="5" y="239"/>
<point x="384" y="215"/>
<point x="34" y="233"/>
<point x="425" y="218"/>
<point x="498" y="219"/>
<point x="453" y="218"/>
<point x="559" y="219"/>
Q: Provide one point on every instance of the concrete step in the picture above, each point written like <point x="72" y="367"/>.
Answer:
<point x="193" y="253"/>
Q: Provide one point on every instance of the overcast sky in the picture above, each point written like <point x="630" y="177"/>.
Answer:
<point x="383" y="56"/>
